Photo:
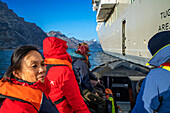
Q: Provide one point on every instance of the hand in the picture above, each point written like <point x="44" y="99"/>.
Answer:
<point x="96" y="94"/>
<point x="98" y="80"/>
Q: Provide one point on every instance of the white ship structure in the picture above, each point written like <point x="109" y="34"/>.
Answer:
<point x="125" y="26"/>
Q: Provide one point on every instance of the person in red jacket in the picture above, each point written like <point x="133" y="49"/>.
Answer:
<point x="24" y="87"/>
<point x="65" y="92"/>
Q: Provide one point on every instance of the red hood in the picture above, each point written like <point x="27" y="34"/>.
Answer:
<point x="55" y="48"/>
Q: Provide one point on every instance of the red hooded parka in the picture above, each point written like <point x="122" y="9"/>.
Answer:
<point x="62" y="78"/>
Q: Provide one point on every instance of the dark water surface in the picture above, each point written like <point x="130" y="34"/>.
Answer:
<point x="97" y="57"/>
<point x="5" y="58"/>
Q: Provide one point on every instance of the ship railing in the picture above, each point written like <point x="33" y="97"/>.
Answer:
<point x="104" y="9"/>
<point x="95" y="4"/>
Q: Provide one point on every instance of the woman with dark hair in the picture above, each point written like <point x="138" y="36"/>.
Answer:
<point x="24" y="87"/>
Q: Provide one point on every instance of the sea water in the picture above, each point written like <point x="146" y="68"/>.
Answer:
<point x="5" y="60"/>
<point x="96" y="58"/>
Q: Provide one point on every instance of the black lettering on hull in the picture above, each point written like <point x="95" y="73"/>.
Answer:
<point x="165" y="14"/>
<point x="164" y="27"/>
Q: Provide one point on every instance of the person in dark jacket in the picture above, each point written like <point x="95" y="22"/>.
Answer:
<point x="154" y="95"/>
<point x="83" y="75"/>
<point x="24" y="87"/>
<point x="65" y="92"/>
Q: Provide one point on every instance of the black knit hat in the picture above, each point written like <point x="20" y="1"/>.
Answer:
<point x="158" y="41"/>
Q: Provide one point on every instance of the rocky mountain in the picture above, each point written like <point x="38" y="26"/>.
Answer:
<point x="14" y="31"/>
<point x="93" y="43"/>
<point x="73" y="42"/>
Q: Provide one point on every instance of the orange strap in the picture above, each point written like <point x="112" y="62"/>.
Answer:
<point x="120" y="108"/>
<point x="33" y="96"/>
<point x="87" y="57"/>
<point x="57" y="61"/>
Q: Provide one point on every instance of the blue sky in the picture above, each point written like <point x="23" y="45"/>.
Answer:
<point x="74" y="18"/>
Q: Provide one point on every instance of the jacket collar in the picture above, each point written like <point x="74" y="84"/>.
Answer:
<point x="44" y="87"/>
<point x="160" y="57"/>
<point x="21" y="93"/>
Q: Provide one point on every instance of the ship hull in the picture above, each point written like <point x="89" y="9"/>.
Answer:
<point x="130" y="26"/>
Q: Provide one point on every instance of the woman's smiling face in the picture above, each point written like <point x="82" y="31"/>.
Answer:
<point x="32" y="68"/>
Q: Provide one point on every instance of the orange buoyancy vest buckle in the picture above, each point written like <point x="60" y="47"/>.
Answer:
<point x="18" y="92"/>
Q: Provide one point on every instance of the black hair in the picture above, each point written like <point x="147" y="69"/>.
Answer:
<point x="16" y="59"/>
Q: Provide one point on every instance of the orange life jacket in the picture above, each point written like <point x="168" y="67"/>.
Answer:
<point x="57" y="61"/>
<point x="21" y="93"/>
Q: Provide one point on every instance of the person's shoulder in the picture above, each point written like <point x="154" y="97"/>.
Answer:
<point x="14" y="106"/>
<point x="158" y="74"/>
<point x="57" y="71"/>
<point x="59" y="68"/>
<point x="78" y="62"/>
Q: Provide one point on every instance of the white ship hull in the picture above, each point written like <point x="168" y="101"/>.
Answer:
<point x="125" y="26"/>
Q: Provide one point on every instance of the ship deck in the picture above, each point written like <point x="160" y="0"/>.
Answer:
<point x="123" y="78"/>
<point x="124" y="106"/>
